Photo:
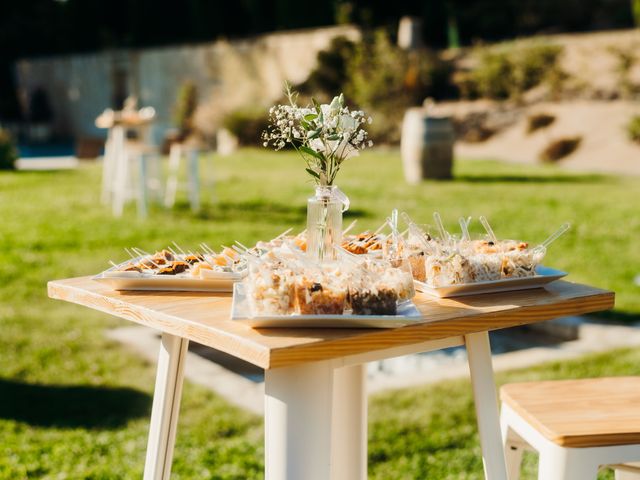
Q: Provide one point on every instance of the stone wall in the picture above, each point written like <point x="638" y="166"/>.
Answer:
<point x="232" y="74"/>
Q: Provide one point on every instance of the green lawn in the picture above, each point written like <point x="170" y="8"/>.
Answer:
<point x="75" y="405"/>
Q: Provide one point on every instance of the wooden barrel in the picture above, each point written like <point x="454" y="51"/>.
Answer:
<point x="426" y="146"/>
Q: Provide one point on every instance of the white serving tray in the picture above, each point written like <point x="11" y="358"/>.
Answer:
<point x="408" y="314"/>
<point x="210" y="282"/>
<point x="543" y="276"/>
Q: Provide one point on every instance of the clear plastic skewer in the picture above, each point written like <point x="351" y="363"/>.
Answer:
<point x="487" y="227"/>
<point x="464" y="227"/>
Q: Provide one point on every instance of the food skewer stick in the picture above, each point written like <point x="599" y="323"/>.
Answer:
<point x="393" y="223"/>
<point x="138" y="251"/>
<point x="351" y="225"/>
<point x="380" y="228"/>
<point x="243" y="251"/>
<point x="207" y="249"/>
<point x="133" y="257"/>
<point x="179" y="249"/>
<point x="464" y="226"/>
<point x="444" y="235"/>
<point x="241" y="245"/>
<point x="227" y="257"/>
<point x="417" y="231"/>
<point x="114" y="264"/>
<point x="283" y="234"/>
<point x="554" y="236"/>
<point x="488" y="228"/>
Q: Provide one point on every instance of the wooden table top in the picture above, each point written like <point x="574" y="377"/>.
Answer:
<point x="204" y="318"/>
<point x="591" y="412"/>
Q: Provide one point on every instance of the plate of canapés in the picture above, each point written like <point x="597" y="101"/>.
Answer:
<point x="369" y="282"/>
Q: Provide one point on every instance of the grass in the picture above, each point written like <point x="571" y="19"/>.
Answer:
<point x="75" y="405"/>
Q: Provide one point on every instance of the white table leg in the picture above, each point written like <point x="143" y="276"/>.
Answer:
<point x="166" y="406"/>
<point x="298" y="407"/>
<point x="486" y="402"/>
<point x="349" y="455"/>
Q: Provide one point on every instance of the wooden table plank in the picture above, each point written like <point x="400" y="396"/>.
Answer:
<point x="204" y="318"/>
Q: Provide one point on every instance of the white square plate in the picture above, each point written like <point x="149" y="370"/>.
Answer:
<point x="211" y="282"/>
<point x="408" y="314"/>
<point x="543" y="276"/>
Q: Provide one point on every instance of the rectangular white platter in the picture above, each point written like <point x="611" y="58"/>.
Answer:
<point x="213" y="282"/>
<point x="543" y="276"/>
<point x="408" y="314"/>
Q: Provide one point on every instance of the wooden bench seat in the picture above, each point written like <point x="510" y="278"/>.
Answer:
<point x="580" y="413"/>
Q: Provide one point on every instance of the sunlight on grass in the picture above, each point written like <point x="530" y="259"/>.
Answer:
<point x="53" y="227"/>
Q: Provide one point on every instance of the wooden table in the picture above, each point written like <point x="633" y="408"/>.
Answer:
<point x="315" y="396"/>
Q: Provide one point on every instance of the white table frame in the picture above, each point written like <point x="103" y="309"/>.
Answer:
<point x="316" y="413"/>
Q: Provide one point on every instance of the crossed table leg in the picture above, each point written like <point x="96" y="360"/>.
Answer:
<point x="316" y="413"/>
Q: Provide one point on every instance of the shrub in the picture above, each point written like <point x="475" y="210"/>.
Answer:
<point x="510" y="70"/>
<point x="560" y="148"/>
<point x="626" y="58"/>
<point x="247" y="125"/>
<point x="185" y="108"/>
<point x="330" y="74"/>
<point x="385" y="80"/>
<point x="8" y="154"/>
<point x="474" y="128"/>
<point x="633" y="129"/>
<point x="538" y="121"/>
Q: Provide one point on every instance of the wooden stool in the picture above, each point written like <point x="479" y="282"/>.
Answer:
<point x="577" y="426"/>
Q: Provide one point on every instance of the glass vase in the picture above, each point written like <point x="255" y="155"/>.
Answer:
<point x="324" y="222"/>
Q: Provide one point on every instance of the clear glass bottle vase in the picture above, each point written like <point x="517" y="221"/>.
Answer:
<point x="324" y="222"/>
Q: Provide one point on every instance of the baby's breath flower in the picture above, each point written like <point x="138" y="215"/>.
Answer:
<point x="325" y="135"/>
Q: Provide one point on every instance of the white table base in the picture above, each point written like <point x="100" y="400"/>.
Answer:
<point x="316" y="413"/>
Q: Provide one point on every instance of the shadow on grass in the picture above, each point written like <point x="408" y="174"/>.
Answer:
<point x="258" y="210"/>
<point x="531" y="178"/>
<point x="615" y="316"/>
<point x="71" y="406"/>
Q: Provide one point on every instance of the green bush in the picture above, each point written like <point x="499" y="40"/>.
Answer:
<point x="247" y="125"/>
<point x="560" y="148"/>
<point x="330" y="75"/>
<point x="8" y="154"/>
<point x="626" y="58"/>
<point x="511" y="69"/>
<point x="538" y="121"/>
<point x="633" y="129"/>
<point x="185" y="108"/>
<point x="385" y="80"/>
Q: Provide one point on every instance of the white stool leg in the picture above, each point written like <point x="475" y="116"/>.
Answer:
<point x="630" y="471"/>
<point x="349" y="424"/>
<point x="143" y="180"/>
<point x="622" y="475"/>
<point x="298" y="408"/>
<point x="557" y="463"/>
<point x="194" y="180"/>
<point x="175" y="153"/>
<point x="486" y="402"/>
<point x="121" y="180"/>
<point x="107" y="168"/>
<point x="513" y="449"/>
<point x="166" y="407"/>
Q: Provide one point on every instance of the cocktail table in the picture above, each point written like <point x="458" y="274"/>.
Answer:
<point x="315" y="396"/>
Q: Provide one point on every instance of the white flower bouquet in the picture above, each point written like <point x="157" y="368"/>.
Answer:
<point x="325" y="135"/>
